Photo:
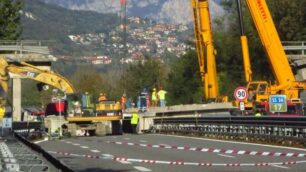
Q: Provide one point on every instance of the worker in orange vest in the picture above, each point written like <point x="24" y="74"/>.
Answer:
<point x="123" y="101"/>
<point x="102" y="97"/>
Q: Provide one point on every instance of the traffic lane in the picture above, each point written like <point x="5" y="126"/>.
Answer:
<point x="80" y="163"/>
<point x="247" y="158"/>
<point x="85" y="141"/>
<point x="172" y="155"/>
<point x="120" y="150"/>
<point x="215" y="145"/>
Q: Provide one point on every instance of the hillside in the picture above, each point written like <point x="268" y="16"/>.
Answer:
<point x="42" y="21"/>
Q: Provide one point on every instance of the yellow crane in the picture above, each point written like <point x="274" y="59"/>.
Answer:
<point x="205" y="50"/>
<point x="285" y="82"/>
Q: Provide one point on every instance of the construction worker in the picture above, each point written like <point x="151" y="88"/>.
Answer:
<point x="123" y="101"/>
<point x="162" y="97"/>
<point x="134" y="121"/>
<point x="102" y="97"/>
<point x="154" y="97"/>
<point x="2" y="107"/>
<point x="143" y="100"/>
<point x="258" y="114"/>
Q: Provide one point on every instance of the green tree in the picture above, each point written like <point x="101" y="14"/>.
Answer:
<point x="149" y="74"/>
<point x="87" y="79"/>
<point x="290" y="18"/>
<point x="184" y="83"/>
<point x="10" y="19"/>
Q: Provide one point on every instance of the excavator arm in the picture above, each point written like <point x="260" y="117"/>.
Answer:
<point x="32" y="72"/>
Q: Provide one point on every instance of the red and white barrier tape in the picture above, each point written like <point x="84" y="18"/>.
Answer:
<point x="212" y="150"/>
<point x="176" y="162"/>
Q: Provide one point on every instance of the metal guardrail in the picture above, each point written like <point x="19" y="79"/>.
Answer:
<point x="290" y="128"/>
<point x="233" y="120"/>
<point x="24" y="46"/>
<point x="54" y="161"/>
<point x="296" y="48"/>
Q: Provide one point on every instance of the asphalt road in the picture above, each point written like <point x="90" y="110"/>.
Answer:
<point x="172" y="153"/>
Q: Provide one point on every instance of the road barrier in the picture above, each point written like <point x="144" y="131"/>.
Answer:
<point x="272" y="128"/>
<point x="214" y="150"/>
<point x="147" y="161"/>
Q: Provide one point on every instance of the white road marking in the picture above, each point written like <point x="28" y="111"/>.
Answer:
<point x="125" y="162"/>
<point x="84" y="147"/>
<point x="126" y="138"/>
<point x="39" y="141"/>
<point x="76" y="144"/>
<point x="107" y="155"/>
<point x="166" y="146"/>
<point x="95" y="151"/>
<point x="279" y="166"/>
<point x="144" y="141"/>
<point x="228" y="156"/>
<point x="68" y="142"/>
<point x="225" y="141"/>
<point x="114" y="137"/>
<point x="141" y="168"/>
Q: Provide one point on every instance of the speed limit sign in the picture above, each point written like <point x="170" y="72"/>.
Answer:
<point x="241" y="93"/>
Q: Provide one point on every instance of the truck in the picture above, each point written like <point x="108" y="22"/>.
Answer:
<point x="285" y="82"/>
<point x="86" y="118"/>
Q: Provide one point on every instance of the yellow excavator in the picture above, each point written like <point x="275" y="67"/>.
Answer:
<point x="285" y="82"/>
<point x="26" y="70"/>
<point x="206" y="51"/>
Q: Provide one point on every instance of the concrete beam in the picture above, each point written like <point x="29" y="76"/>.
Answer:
<point x="16" y="99"/>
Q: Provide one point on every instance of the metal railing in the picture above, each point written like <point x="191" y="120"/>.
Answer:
<point x="290" y="128"/>
<point x="25" y="46"/>
<point x="295" y="48"/>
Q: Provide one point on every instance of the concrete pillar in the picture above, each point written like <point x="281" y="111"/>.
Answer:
<point x="16" y="99"/>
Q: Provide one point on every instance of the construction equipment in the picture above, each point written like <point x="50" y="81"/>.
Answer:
<point x="32" y="72"/>
<point x="26" y="70"/>
<point x="85" y="118"/>
<point x="286" y="84"/>
<point x="101" y="118"/>
<point x="206" y="51"/>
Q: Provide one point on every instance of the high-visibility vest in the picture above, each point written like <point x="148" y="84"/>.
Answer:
<point x="258" y="114"/>
<point x="134" y="119"/>
<point x="161" y="94"/>
<point x="154" y="95"/>
<point x="2" y="112"/>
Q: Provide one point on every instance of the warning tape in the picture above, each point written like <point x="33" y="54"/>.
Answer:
<point x="176" y="162"/>
<point x="212" y="150"/>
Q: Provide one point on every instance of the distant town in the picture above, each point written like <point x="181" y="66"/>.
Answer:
<point x="142" y="39"/>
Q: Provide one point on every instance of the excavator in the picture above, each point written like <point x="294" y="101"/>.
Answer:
<point x="26" y="70"/>
<point x="206" y="51"/>
<point x="285" y="82"/>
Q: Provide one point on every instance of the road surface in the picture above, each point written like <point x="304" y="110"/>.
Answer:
<point x="154" y="152"/>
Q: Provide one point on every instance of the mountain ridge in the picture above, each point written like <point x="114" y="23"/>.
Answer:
<point x="164" y="11"/>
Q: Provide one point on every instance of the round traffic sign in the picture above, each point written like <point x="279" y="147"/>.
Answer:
<point x="241" y="93"/>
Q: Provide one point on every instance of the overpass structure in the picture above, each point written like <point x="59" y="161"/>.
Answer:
<point x="32" y="52"/>
<point x="296" y="53"/>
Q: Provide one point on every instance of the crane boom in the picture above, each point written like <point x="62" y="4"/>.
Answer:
<point x="271" y="41"/>
<point x="286" y="83"/>
<point x="205" y="48"/>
